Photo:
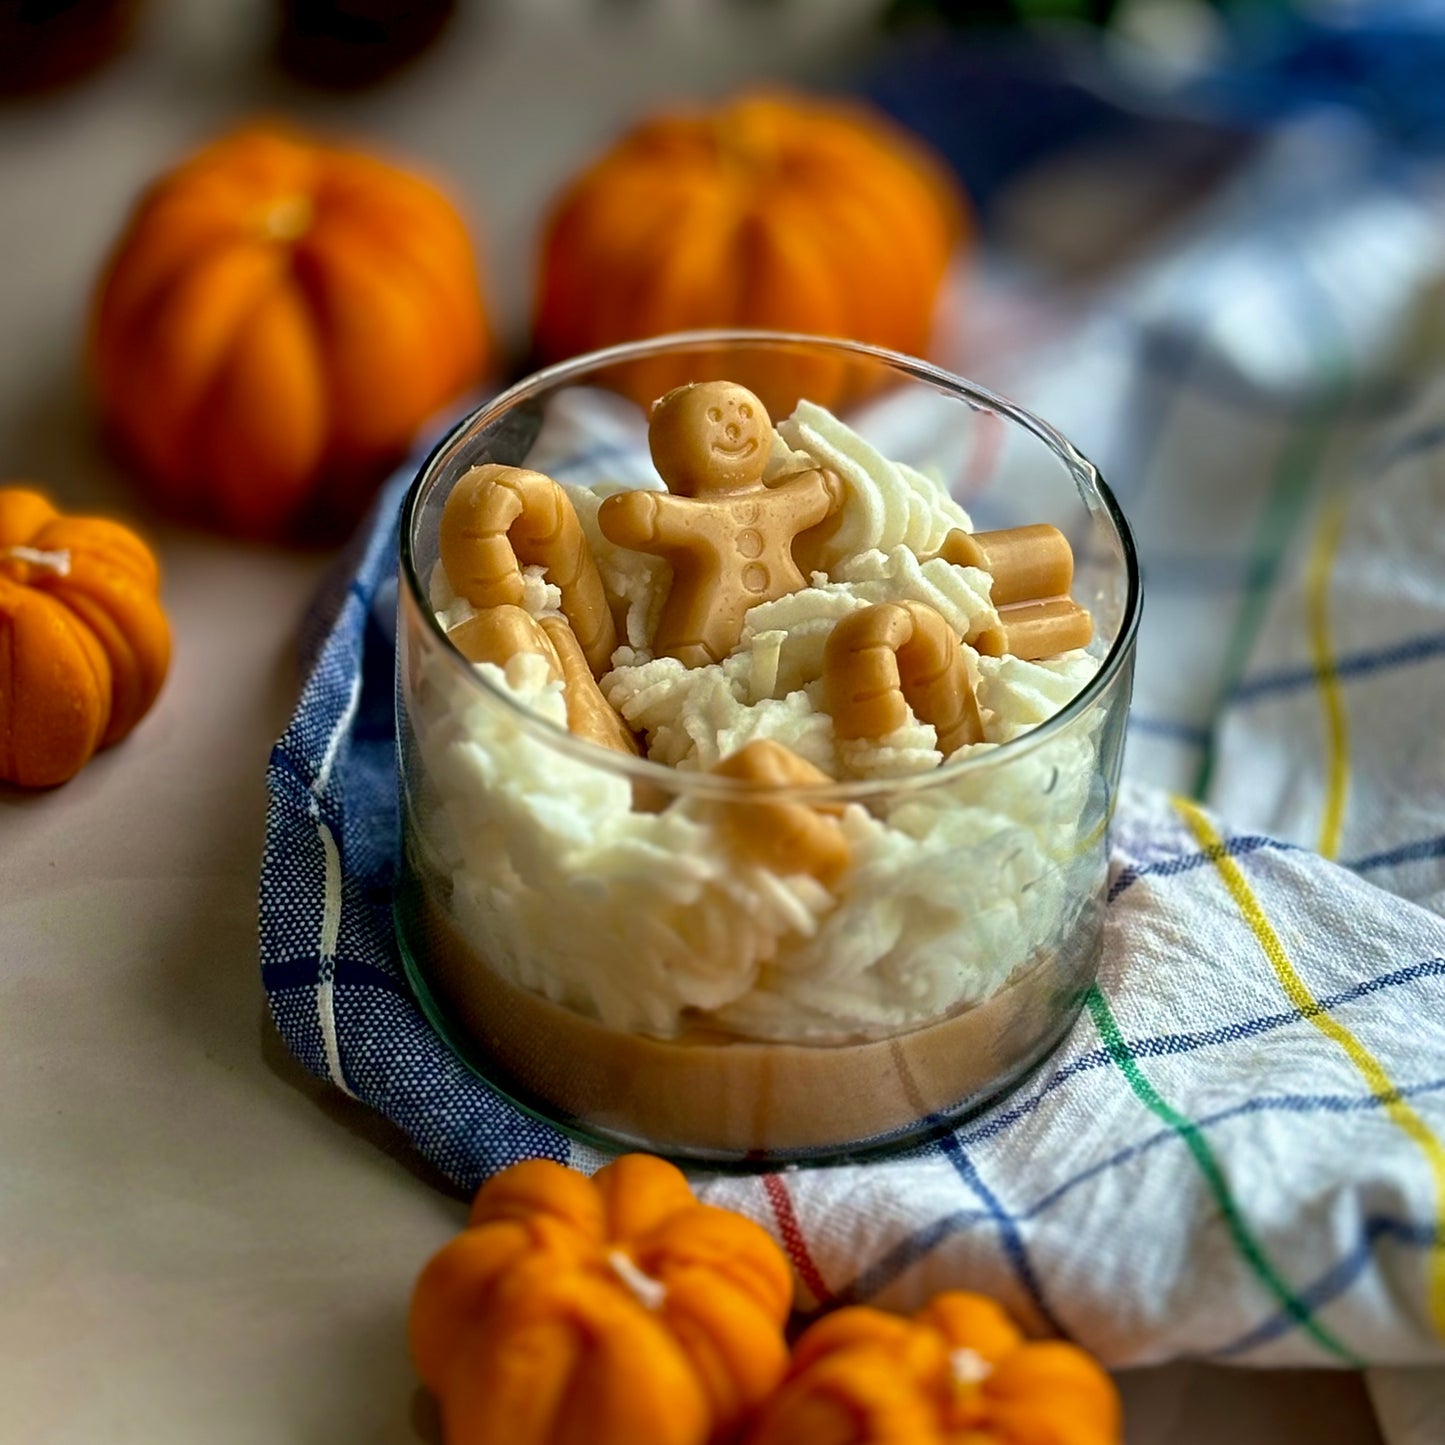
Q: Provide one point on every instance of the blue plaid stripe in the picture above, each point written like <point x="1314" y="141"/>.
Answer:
<point x="906" y="1253"/>
<point x="1009" y="1234"/>
<point x="1406" y="653"/>
<point x="1414" y="443"/>
<point x="1235" y="847"/>
<point x="1194" y="735"/>
<point x="1334" y="1282"/>
<point x="1419" y="851"/>
<point x="1416" y="852"/>
<point x="1164" y="1045"/>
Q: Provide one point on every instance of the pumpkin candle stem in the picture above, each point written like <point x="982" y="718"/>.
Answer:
<point x="57" y="562"/>
<point x="649" y="1292"/>
<point x="748" y="143"/>
<point x="968" y="1367"/>
<point x="288" y="219"/>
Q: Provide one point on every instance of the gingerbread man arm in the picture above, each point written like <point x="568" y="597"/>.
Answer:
<point x="648" y="522"/>
<point x="820" y="491"/>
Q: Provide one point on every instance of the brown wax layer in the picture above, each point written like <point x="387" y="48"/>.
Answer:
<point x="711" y="1094"/>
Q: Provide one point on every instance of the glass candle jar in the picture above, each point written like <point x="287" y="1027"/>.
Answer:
<point x="579" y="923"/>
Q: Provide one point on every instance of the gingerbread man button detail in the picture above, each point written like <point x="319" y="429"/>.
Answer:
<point x="729" y="537"/>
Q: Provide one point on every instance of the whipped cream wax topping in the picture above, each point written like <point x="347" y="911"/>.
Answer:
<point x="888" y="503"/>
<point x="648" y="921"/>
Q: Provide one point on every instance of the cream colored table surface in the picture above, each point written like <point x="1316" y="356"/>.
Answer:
<point x="198" y="1242"/>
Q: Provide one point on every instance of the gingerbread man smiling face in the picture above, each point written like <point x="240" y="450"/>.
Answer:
<point x="712" y="437"/>
<point x="728" y="536"/>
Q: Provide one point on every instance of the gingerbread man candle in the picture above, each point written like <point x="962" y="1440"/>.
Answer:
<point x="728" y="536"/>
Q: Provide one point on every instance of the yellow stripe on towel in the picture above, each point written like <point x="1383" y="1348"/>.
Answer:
<point x="1396" y="1109"/>
<point x="1337" y="746"/>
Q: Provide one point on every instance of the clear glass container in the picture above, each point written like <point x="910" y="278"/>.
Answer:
<point x="572" y="918"/>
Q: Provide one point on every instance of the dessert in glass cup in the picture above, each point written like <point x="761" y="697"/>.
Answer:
<point x="757" y="756"/>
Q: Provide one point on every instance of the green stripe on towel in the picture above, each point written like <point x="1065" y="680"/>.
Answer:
<point x="1300" y="463"/>
<point x="1198" y="1146"/>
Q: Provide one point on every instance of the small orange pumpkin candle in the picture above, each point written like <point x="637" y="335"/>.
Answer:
<point x="277" y="320"/>
<point x="957" y="1371"/>
<point x="607" y="1311"/>
<point x="84" y="644"/>
<point x="772" y="211"/>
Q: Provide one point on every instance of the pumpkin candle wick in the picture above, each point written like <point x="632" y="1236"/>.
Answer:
<point x="968" y="1367"/>
<point x="650" y="1292"/>
<point x="57" y="562"/>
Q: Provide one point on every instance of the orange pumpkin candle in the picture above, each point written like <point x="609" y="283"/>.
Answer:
<point x="275" y="323"/>
<point x="607" y="1311"/>
<point x="773" y="212"/>
<point x="84" y="644"/>
<point x="957" y="1373"/>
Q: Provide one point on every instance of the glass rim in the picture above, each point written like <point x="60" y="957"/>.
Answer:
<point x="685" y="783"/>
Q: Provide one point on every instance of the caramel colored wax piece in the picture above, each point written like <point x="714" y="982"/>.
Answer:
<point x="1032" y="570"/>
<point x="589" y="714"/>
<point x="1033" y="630"/>
<point x="498" y="519"/>
<point x="786" y="837"/>
<point x="885" y="659"/>
<point x="498" y="634"/>
<point x="728" y="537"/>
<point x="1026" y="563"/>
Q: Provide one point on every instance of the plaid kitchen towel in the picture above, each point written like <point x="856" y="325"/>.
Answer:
<point x="1239" y="1152"/>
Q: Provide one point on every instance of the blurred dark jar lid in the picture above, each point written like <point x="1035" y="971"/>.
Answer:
<point x="49" y="43"/>
<point x="346" y="43"/>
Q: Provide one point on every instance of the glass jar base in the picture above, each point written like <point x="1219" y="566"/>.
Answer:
<point x="736" y="1104"/>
